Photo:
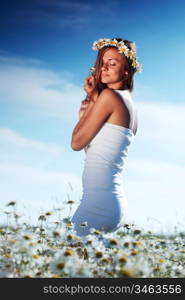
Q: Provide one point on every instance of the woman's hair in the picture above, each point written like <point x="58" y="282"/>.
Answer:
<point x="99" y="86"/>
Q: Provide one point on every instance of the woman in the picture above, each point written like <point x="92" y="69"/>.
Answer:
<point x="107" y="126"/>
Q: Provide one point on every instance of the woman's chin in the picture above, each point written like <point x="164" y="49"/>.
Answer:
<point x="103" y="80"/>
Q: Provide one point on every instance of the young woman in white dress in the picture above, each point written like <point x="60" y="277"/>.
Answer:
<point x="106" y="128"/>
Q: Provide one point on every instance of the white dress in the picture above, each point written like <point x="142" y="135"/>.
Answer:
<point x="104" y="204"/>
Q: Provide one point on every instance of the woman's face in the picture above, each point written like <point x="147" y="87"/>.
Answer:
<point x="112" y="70"/>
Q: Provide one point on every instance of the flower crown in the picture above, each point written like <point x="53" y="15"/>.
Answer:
<point x="123" y="49"/>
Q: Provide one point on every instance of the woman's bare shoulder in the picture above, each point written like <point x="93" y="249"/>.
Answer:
<point x="109" y="93"/>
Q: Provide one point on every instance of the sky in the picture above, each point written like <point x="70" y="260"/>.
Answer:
<point x="45" y="55"/>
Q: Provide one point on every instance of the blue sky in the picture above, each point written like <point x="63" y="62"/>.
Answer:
<point x="45" y="54"/>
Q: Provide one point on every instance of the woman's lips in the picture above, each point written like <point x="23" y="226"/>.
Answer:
<point x="103" y="74"/>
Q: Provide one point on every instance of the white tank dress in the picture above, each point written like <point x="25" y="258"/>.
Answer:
<point x="104" y="204"/>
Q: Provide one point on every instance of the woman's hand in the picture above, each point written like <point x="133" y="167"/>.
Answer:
<point x="86" y="105"/>
<point x="83" y="107"/>
<point x="89" y="84"/>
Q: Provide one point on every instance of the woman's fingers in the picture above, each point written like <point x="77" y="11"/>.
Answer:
<point x="84" y="104"/>
<point x="89" y="80"/>
<point x="89" y="77"/>
<point x="89" y="84"/>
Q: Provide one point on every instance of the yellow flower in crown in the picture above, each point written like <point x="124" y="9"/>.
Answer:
<point x="107" y="42"/>
<point x="137" y="66"/>
<point x="114" y="43"/>
<point x="98" y="44"/>
<point x="134" y="65"/>
<point x="123" y="49"/>
<point x="101" y="43"/>
<point x="130" y="54"/>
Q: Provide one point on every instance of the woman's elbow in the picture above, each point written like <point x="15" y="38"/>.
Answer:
<point x="75" y="146"/>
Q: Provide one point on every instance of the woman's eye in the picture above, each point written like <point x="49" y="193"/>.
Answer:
<point x="110" y="64"/>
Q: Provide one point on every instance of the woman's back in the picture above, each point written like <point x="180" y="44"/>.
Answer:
<point x="126" y="110"/>
<point x="111" y="144"/>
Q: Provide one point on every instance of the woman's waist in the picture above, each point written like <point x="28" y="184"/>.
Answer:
<point x="102" y="171"/>
<point x="105" y="183"/>
<point x="102" y="198"/>
<point x="104" y="165"/>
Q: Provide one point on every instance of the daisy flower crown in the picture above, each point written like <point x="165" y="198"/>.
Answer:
<point x="123" y="49"/>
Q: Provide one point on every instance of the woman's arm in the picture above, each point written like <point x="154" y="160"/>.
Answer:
<point x="84" y="109"/>
<point x="89" y="102"/>
<point x="87" y="109"/>
<point x="93" y="119"/>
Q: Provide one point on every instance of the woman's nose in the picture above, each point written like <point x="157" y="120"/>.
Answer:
<point x="104" y="66"/>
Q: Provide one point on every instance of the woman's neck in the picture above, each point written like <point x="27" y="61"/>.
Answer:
<point x="117" y="86"/>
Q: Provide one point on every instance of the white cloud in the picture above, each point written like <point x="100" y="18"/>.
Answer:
<point x="16" y="148"/>
<point x="168" y="117"/>
<point x="27" y="174"/>
<point x="42" y="90"/>
<point x="37" y="189"/>
<point x="155" y="193"/>
<point x="5" y="57"/>
<point x="10" y="138"/>
<point x="160" y="133"/>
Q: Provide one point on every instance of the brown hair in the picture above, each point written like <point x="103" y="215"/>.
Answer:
<point x="99" y="86"/>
